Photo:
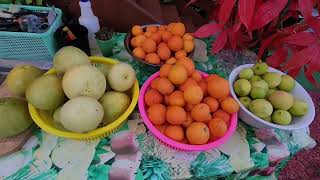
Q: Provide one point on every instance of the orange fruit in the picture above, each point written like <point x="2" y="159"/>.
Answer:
<point x="167" y="99"/>
<point x="185" y="141"/>
<point x="165" y="86"/>
<point x="176" y="115"/>
<point x="187" y="36"/>
<point x="170" y="27"/>
<point x="162" y="44"/>
<point x="196" y="76"/>
<point x="149" y="45"/>
<point x="157" y="114"/>
<point x="222" y="115"/>
<point x="156" y="37"/>
<point x="171" y="60"/>
<point x="188" y="107"/>
<point x="152" y="29"/>
<point x="175" y="132"/>
<point x="188" y="120"/>
<point x="218" y="88"/>
<point x="201" y="112"/>
<point x="193" y="94"/>
<point x="152" y="58"/>
<point x="166" y="35"/>
<point x="136" y="30"/>
<point x="188" y="45"/>
<point x="139" y="53"/>
<point x="164" y="53"/>
<point x="204" y="87"/>
<point x="162" y="28"/>
<point x="175" y="43"/>
<point x="164" y="70"/>
<point x="212" y="103"/>
<point x="134" y="42"/>
<point x="217" y="127"/>
<point x="212" y="77"/>
<point x="148" y="34"/>
<point x="230" y="105"/>
<point x="187" y="63"/>
<point x="176" y="99"/>
<point x="178" y="29"/>
<point x="161" y="128"/>
<point x="222" y="99"/>
<point x="154" y="83"/>
<point x="187" y="83"/>
<point x="178" y="74"/>
<point x="198" y="133"/>
<point x="152" y="96"/>
<point x="180" y="54"/>
<point x="140" y="39"/>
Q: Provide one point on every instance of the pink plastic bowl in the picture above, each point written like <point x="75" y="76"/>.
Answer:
<point x="174" y="144"/>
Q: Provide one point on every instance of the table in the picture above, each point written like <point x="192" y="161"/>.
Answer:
<point x="250" y="153"/>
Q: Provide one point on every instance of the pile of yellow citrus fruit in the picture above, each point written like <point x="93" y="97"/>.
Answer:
<point x="156" y="44"/>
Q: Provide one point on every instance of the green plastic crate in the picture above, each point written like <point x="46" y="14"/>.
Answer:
<point x="30" y="46"/>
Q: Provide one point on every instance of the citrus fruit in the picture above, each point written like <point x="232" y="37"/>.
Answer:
<point x="187" y="36"/>
<point x="187" y="83"/>
<point x="156" y="37"/>
<point x="152" y="58"/>
<point x="152" y="29"/>
<point x="176" y="115"/>
<point x="176" y="99"/>
<point x="139" y="53"/>
<point x="161" y="128"/>
<point x="198" y="133"/>
<point x="165" y="69"/>
<point x="196" y="76"/>
<point x="188" y="120"/>
<point x="178" y="74"/>
<point x="164" y="53"/>
<point x="188" y="45"/>
<point x="175" y="132"/>
<point x="166" y="36"/>
<point x="204" y="86"/>
<point x="154" y="83"/>
<point x="212" y="77"/>
<point x="180" y="54"/>
<point x="157" y="114"/>
<point x="149" y="45"/>
<point x="171" y="60"/>
<point x="188" y="64"/>
<point x="136" y="30"/>
<point x="152" y="96"/>
<point x="217" y="127"/>
<point x="178" y="29"/>
<point x="193" y="94"/>
<point x="162" y="44"/>
<point x="201" y="112"/>
<point x="218" y="88"/>
<point x="175" y="43"/>
<point x="230" y="105"/>
<point x="222" y="115"/>
<point x="212" y="103"/>
<point x="164" y="86"/>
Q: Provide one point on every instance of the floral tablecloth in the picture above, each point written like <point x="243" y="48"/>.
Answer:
<point x="250" y="153"/>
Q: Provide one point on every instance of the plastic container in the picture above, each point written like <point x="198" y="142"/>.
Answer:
<point x="298" y="92"/>
<point x="174" y="144"/>
<point x="30" y="46"/>
<point x="44" y="118"/>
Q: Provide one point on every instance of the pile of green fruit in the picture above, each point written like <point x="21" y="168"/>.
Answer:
<point x="267" y="94"/>
<point x="81" y="96"/>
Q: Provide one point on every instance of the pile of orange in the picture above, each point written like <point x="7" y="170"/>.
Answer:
<point x="156" y="44"/>
<point x="187" y="107"/>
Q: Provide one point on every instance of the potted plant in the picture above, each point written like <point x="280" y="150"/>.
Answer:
<point x="105" y="41"/>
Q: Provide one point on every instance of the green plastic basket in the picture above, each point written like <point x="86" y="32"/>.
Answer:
<point x="30" y="46"/>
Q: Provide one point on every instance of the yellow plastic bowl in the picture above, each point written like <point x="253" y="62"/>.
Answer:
<point x="44" y="119"/>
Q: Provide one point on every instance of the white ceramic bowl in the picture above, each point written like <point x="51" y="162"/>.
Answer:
<point x="298" y="92"/>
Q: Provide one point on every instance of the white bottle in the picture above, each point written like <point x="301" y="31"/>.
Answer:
<point x="90" y="21"/>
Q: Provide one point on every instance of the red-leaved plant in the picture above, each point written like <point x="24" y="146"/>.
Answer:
<point x="252" y="24"/>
